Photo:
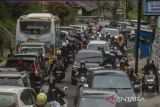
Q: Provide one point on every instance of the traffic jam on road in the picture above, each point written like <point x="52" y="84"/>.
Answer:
<point x="89" y="58"/>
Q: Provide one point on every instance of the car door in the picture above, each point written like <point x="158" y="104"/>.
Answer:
<point x="28" y="97"/>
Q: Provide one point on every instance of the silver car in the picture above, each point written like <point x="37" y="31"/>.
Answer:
<point x="12" y="96"/>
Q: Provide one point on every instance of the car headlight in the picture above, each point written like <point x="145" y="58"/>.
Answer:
<point x="82" y="79"/>
<point x="150" y="80"/>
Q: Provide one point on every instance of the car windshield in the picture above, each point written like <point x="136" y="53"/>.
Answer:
<point x="89" y="57"/>
<point x="10" y="82"/>
<point x="33" y="48"/>
<point x="21" y="65"/>
<point x="111" y="31"/>
<point x="110" y="81"/>
<point x="95" y="46"/>
<point x="8" y="100"/>
<point x="94" y="102"/>
<point x="35" y="27"/>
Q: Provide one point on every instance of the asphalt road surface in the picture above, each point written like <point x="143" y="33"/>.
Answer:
<point x="150" y="101"/>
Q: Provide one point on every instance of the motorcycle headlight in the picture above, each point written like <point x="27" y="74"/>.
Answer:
<point x="82" y="79"/>
<point x="150" y="80"/>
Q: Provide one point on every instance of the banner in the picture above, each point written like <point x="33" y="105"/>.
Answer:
<point x="152" y="7"/>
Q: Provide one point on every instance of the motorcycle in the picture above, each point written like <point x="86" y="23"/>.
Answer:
<point x="63" y="102"/>
<point x="59" y="72"/>
<point x="81" y="81"/>
<point x="150" y="83"/>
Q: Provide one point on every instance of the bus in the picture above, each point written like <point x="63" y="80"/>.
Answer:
<point x="39" y="27"/>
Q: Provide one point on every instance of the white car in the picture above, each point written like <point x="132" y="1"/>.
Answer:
<point x="12" y="96"/>
<point x="93" y="45"/>
<point x="113" y="32"/>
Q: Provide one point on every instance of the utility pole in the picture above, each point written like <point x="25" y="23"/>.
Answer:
<point x="126" y="9"/>
<point x="138" y="34"/>
<point x="41" y="6"/>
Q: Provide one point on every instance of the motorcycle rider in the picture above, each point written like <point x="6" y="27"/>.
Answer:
<point x="82" y="70"/>
<point x="41" y="101"/>
<point x="52" y="92"/>
<point x="147" y="68"/>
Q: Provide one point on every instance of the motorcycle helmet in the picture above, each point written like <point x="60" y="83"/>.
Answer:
<point x="64" y="44"/>
<point x="41" y="99"/>
<point x="58" y="52"/>
<point x="82" y="64"/>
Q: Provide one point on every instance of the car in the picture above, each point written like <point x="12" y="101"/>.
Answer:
<point x="113" y="32"/>
<point x="14" y="78"/>
<point x="37" y="57"/>
<point x="39" y="47"/>
<point x="95" y="98"/>
<point x="14" y="96"/>
<point x="31" y="65"/>
<point x="93" y="45"/>
<point x="93" y="59"/>
<point x="79" y="28"/>
<point x="113" y="79"/>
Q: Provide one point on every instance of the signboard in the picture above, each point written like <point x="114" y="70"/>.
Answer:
<point x="152" y="7"/>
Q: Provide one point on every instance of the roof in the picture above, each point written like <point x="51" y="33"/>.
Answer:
<point x="20" y="58"/>
<point x="89" y="51"/>
<point x="97" y="42"/>
<point x="109" y="29"/>
<point x="29" y="54"/>
<point x="92" y="91"/>
<point x="11" y="89"/>
<point x="8" y="69"/>
<point x="118" y="72"/>
<point x="66" y="27"/>
<point x="33" y="43"/>
<point x="39" y="15"/>
<point x="10" y="74"/>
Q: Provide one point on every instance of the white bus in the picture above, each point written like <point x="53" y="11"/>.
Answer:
<point x="41" y="27"/>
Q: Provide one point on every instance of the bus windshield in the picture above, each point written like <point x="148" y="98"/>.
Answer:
<point x="35" y="27"/>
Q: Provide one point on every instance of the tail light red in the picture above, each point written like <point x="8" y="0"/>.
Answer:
<point x="17" y="48"/>
<point x="59" y="67"/>
<point x="35" y="69"/>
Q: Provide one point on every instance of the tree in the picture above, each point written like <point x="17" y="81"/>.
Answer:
<point x="60" y="9"/>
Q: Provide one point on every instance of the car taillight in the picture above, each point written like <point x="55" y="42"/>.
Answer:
<point x="58" y="67"/>
<point x="17" y="48"/>
<point x="35" y="69"/>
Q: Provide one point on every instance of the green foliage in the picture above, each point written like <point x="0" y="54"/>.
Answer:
<point x="60" y="9"/>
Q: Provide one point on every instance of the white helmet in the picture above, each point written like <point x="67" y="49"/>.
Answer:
<point x="64" y="44"/>
<point x="58" y="52"/>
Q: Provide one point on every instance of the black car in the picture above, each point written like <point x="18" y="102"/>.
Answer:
<point x="11" y="77"/>
<point x="113" y="79"/>
<point x="37" y="56"/>
<point x="96" y="98"/>
<point x="93" y="59"/>
<point x="30" y="65"/>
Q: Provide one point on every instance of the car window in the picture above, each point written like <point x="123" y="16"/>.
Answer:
<point x="21" y="65"/>
<point x="10" y="82"/>
<point x="89" y="57"/>
<point x="8" y="100"/>
<point x="110" y="81"/>
<point x="95" y="46"/>
<point x="26" y="97"/>
<point x="112" y="32"/>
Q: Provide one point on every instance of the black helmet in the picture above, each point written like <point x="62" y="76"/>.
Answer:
<point x="82" y="64"/>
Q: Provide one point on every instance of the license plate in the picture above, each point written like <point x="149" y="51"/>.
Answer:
<point x="58" y="71"/>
